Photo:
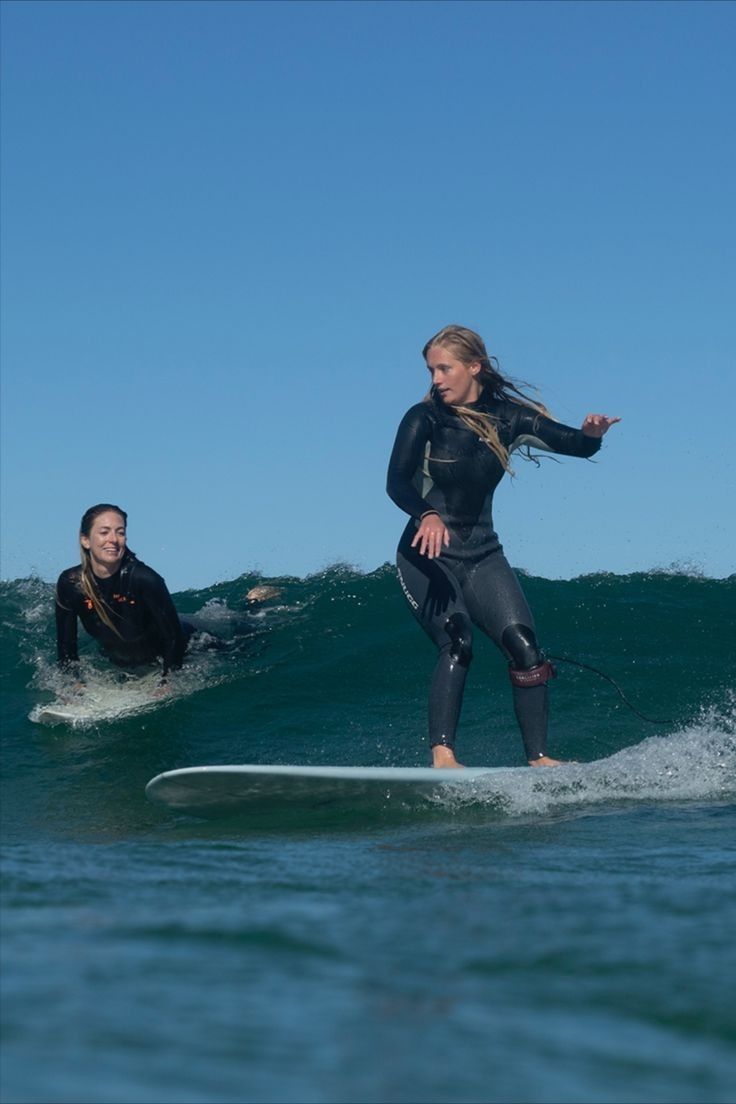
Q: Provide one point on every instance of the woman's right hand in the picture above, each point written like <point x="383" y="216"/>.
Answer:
<point x="431" y="536"/>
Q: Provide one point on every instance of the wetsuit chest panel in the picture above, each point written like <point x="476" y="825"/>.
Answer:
<point x="464" y="473"/>
<point x="139" y="640"/>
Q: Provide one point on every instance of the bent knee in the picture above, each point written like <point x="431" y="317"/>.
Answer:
<point x="520" y="644"/>
<point x="460" y="632"/>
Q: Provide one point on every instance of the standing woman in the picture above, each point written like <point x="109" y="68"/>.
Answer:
<point x="120" y="601"/>
<point x="450" y="454"/>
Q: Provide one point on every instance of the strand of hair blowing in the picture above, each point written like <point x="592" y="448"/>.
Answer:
<point x="468" y="347"/>
<point x="89" y="586"/>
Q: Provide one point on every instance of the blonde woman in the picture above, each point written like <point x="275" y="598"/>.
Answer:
<point x="451" y="452"/>
<point x="120" y="601"/>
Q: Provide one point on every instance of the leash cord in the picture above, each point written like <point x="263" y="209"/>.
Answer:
<point x="588" y="667"/>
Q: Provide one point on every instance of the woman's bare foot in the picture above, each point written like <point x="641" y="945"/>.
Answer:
<point x="545" y="761"/>
<point x="444" y="757"/>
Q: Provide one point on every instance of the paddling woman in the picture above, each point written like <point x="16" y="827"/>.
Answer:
<point x="450" y="454"/>
<point x="120" y="601"/>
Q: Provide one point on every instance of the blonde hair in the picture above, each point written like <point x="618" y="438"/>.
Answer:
<point x="87" y="576"/>
<point x="468" y="346"/>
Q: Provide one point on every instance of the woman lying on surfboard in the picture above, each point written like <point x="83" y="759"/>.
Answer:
<point x="124" y="604"/>
<point x="451" y="452"/>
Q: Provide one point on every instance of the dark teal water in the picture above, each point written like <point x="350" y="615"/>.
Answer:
<point x="565" y="936"/>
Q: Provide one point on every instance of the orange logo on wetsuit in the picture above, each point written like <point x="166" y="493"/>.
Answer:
<point x="123" y="598"/>
<point x="116" y="598"/>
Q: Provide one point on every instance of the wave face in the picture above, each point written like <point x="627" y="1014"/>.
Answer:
<point x="334" y="670"/>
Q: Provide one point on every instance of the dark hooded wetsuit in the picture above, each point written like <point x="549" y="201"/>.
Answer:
<point x="440" y="465"/>
<point x="140" y="607"/>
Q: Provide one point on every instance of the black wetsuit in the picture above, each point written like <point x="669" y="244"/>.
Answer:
<point x="439" y="464"/>
<point x="140" y="607"/>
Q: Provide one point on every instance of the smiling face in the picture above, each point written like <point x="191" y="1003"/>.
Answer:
<point x="456" y="382"/>
<point x="105" y="543"/>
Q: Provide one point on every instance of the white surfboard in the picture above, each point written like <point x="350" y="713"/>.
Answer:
<point x="217" y="789"/>
<point x="59" y="712"/>
<point x="100" y="704"/>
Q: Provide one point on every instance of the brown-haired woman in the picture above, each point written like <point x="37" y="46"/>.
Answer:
<point x="450" y="454"/>
<point x="121" y="602"/>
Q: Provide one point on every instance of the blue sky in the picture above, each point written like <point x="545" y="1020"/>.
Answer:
<point x="229" y="228"/>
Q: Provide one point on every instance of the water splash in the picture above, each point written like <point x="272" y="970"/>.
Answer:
<point x="697" y="763"/>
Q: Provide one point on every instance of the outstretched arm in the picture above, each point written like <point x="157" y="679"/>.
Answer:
<point x="540" y="432"/>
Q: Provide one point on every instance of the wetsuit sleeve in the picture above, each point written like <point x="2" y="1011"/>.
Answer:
<point x="538" y="431"/>
<point x="411" y="440"/>
<point x="152" y="589"/>
<point x="66" y="623"/>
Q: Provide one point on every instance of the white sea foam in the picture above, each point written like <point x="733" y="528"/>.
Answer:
<point x="110" y="694"/>
<point x="697" y="762"/>
<point x="103" y="702"/>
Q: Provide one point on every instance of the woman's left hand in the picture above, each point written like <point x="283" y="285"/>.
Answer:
<point x="595" y="425"/>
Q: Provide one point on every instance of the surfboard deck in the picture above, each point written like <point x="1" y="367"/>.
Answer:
<point x="217" y="789"/>
<point x="100" y="705"/>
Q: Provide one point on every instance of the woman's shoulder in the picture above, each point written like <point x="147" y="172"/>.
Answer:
<point x="510" y="410"/>
<point x="142" y="576"/>
<point x="423" y="409"/>
<point x="139" y="570"/>
<point x="418" y="420"/>
<point x="69" y="586"/>
<point x="71" y="577"/>
<point x="500" y="406"/>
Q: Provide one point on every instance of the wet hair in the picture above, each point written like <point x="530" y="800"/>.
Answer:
<point x="87" y="578"/>
<point x="468" y="346"/>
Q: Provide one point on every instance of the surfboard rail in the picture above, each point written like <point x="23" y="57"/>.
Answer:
<point x="209" y="789"/>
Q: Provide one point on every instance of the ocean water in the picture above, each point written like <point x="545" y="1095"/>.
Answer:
<point x="561" y="936"/>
